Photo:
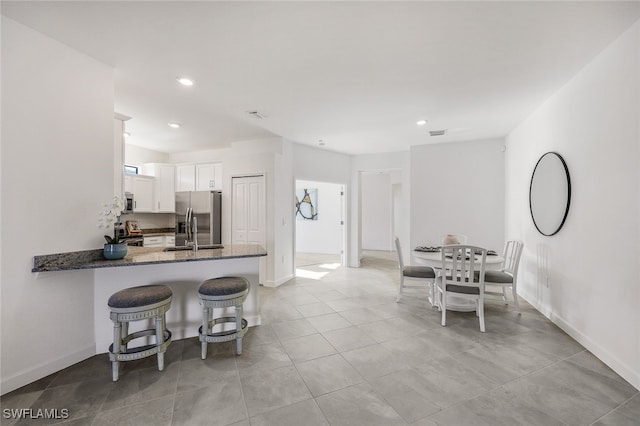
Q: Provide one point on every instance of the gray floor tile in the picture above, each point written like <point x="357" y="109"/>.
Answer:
<point x="315" y="309"/>
<point x="156" y="412"/>
<point x="595" y="385"/>
<point x="82" y="399"/>
<point x="306" y="348"/>
<point x="358" y="405"/>
<point x="262" y="357"/>
<point x="265" y="390"/>
<point x="328" y="322"/>
<point x="361" y="315"/>
<point x="304" y="413"/>
<point x="346" y="339"/>
<point x="411" y="405"/>
<point x="627" y="414"/>
<point x="446" y="381"/>
<point x="505" y="363"/>
<point x="96" y="367"/>
<point x="373" y="361"/>
<point x="219" y="404"/>
<point x="142" y="385"/>
<point x="197" y="373"/>
<point x="294" y="328"/>
<point x="328" y="295"/>
<point x="259" y="335"/>
<point x="558" y="397"/>
<point x="328" y="374"/>
<point x="491" y="411"/>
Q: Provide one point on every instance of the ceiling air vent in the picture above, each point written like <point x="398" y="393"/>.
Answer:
<point x="437" y="132"/>
<point x="256" y="114"/>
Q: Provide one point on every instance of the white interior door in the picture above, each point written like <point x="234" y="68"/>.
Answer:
<point x="248" y="213"/>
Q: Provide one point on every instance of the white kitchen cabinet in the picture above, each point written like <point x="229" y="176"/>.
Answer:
<point x="153" y="241"/>
<point x="208" y="177"/>
<point x="127" y="180"/>
<point x="186" y="177"/>
<point x="142" y="189"/>
<point x="164" y="188"/>
<point x="159" y="241"/>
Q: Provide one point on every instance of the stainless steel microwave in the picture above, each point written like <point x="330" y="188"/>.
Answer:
<point x="128" y="202"/>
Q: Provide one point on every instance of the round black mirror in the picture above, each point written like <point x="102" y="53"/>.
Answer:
<point x="550" y="194"/>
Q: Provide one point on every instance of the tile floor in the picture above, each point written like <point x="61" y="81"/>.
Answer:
<point x="335" y="349"/>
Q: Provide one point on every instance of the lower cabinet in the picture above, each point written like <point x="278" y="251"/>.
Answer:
<point x="160" y="241"/>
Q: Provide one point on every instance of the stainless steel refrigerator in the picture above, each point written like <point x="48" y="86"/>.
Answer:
<point x="206" y="207"/>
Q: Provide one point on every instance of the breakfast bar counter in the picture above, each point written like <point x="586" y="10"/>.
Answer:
<point x="93" y="259"/>
<point x="183" y="271"/>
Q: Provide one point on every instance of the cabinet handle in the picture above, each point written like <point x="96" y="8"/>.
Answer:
<point x="158" y="205"/>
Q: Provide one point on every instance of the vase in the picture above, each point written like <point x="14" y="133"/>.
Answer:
<point x="115" y="251"/>
<point x="450" y="239"/>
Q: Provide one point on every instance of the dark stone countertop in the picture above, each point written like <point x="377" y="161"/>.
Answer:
<point x="93" y="259"/>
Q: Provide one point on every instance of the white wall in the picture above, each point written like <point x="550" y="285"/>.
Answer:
<point x="377" y="208"/>
<point x="57" y="169"/>
<point x="593" y="290"/>
<point x="137" y="156"/>
<point x="325" y="234"/>
<point x="458" y="188"/>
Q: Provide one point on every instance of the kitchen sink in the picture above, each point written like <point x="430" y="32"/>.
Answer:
<point x="200" y="247"/>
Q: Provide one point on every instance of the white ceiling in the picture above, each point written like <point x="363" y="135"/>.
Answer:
<point x="357" y="75"/>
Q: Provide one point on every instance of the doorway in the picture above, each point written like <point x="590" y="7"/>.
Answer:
<point x="320" y="227"/>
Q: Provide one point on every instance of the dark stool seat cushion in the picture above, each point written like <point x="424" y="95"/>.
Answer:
<point x="496" y="277"/>
<point x="462" y="289"/>
<point x="419" y="272"/>
<point x="139" y="296"/>
<point x="223" y="286"/>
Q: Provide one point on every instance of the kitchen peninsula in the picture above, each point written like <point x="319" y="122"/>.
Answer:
<point x="182" y="270"/>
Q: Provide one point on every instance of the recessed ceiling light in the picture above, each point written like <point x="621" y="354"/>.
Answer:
<point x="175" y="125"/>
<point x="185" y="81"/>
<point x="126" y="134"/>
<point x="421" y="122"/>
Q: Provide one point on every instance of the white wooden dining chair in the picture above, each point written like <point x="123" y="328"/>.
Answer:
<point x="507" y="277"/>
<point x="464" y="277"/>
<point x="425" y="275"/>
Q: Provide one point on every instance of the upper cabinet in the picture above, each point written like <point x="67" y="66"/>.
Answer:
<point x="164" y="186"/>
<point x="142" y="189"/>
<point x="199" y="177"/>
<point x="209" y="177"/>
<point x="186" y="177"/>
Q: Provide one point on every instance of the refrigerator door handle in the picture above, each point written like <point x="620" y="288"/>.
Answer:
<point x="187" y="224"/>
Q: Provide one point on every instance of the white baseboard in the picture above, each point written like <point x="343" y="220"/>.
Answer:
<point x="621" y="368"/>
<point x="44" y="369"/>
<point x="279" y="281"/>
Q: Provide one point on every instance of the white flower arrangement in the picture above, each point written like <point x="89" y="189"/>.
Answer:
<point x="108" y="216"/>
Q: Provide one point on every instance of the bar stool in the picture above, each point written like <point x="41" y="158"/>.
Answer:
<point x="223" y="292"/>
<point x="135" y="304"/>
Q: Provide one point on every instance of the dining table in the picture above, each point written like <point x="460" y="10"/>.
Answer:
<point x="432" y="256"/>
